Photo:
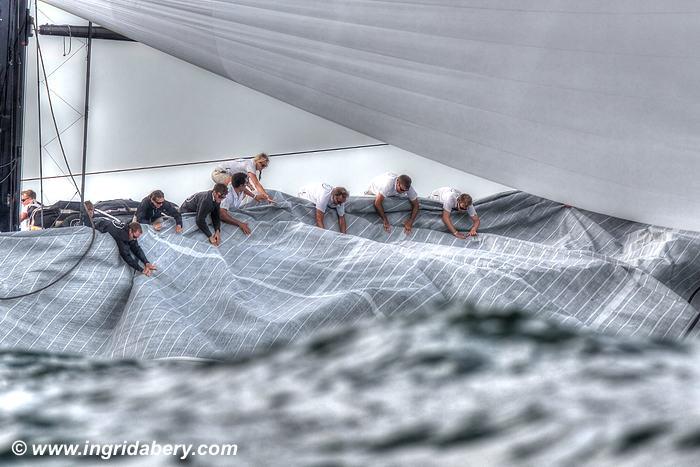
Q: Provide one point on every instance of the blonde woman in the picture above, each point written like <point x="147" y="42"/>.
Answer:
<point x="252" y="167"/>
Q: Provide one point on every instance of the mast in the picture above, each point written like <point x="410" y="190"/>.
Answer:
<point x="15" y="26"/>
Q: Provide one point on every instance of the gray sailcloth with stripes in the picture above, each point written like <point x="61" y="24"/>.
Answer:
<point x="290" y="278"/>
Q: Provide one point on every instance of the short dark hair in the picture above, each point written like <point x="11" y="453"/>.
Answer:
<point x="155" y="194"/>
<point x="405" y="181"/>
<point x="135" y="227"/>
<point x="221" y="189"/>
<point x="239" y="179"/>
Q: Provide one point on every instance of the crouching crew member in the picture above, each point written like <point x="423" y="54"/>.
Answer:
<point x="392" y="185"/>
<point x="126" y="237"/>
<point x="234" y="199"/>
<point x="325" y="196"/>
<point x="224" y="171"/>
<point x="207" y="203"/>
<point x="152" y="209"/>
<point x="452" y="198"/>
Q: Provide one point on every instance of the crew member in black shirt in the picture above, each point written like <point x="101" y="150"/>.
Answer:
<point x="207" y="203"/>
<point x="84" y="218"/>
<point x="126" y="237"/>
<point x="152" y="208"/>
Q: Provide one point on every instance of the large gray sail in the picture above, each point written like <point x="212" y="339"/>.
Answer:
<point x="595" y="103"/>
<point x="290" y="278"/>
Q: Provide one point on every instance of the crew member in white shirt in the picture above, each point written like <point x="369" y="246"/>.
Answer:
<point x="452" y="198"/>
<point x="236" y="194"/>
<point x="390" y="184"/>
<point x="325" y="196"/>
<point x="29" y="205"/>
<point x="224" y="171"/>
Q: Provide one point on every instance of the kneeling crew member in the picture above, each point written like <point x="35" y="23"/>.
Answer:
<point x="452" y="198"/>
<point x="234" y="199"/>
<point x="389" y="184"/>
<point x="224" y="171"/>
<point x="325" y="196"/>
<point x="126" y="237"/>
<point x="207" y="203"/>
<point x="152" y="209"/>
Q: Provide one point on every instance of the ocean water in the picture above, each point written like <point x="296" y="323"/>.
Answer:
<point x="455" y="387"/>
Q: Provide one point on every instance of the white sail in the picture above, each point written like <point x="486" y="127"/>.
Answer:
<point x="595" y="103"/>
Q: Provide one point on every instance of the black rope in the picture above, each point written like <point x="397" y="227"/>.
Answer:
<point x="697" y="317"/>
<point x="692" y="296"/>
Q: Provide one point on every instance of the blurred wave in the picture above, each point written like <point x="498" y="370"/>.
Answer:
<point x="453" y="386"/>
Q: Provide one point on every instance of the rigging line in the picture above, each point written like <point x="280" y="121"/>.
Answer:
<point x="66" y="102"/>
<point x="212" y="161"/>
<point x="66" y="60"/>
<point x="63" y="131"/>
<point x="43" y="12"/>
<point x="53" y="115"/>
<point x="58" y="166"/>
<point x="92" y="223"/>
<point x="50" y="203"/>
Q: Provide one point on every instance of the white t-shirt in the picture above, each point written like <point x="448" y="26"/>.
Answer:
<point x="24" y="225"/>
<point x="386" y="185"/>
<point x="30" y="208"/>
<point x="237" y="166"/>
<point x="320" y="195"/>
<point x="448" y="197"/>
<point x="233" y="200"/>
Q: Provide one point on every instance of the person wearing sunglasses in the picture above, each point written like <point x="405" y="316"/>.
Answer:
<point x="29" y="204"/>
<point x="392" y="185"/>
<point x="207" y="203"/>
<point x="453" y="199"/>
<point x="325" y="196"/>
<point x="252" y="167"/>
<point x="153" y="207"/>
<point x="236" y="194"/>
